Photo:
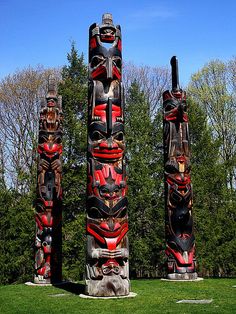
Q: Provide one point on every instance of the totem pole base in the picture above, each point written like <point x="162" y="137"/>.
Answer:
<point x="130" y="295"/>
<point x="185" y="276"/>
<point x="106" y="287"/>
<point x="45" y="284"/>
<point x="29" y="283"/>
<point x="42" y="281"/>
<point x="182" y="277"/>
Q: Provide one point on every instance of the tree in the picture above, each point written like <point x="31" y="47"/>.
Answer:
<point x="16" y="237"/>
<point x="73" y="89"/>
<point x="152" y="81"/>
<point x="214" y="215"/>
<point x="213" y="88"/>
<point x="20" y="97"/>
<point x="145" y="212"/>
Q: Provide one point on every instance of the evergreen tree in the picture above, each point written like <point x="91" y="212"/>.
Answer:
<point x="17" y="229"/>
<point x="144" y="210"/>
<point x="74" y="99"/>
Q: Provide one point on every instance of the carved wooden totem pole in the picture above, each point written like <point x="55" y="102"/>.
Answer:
<point x="48" y="204"/>
<point x="180" y="241"/>
<point x="107" y="221"/>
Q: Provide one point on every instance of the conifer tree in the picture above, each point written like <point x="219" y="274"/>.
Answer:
<point x="144" y="211"/>
<point x="74" y="99"/>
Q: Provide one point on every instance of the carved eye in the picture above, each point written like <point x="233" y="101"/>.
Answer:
<point x="122" y="213"/>
<point x="42" y="139"/>
<point x="93" y="212"/>
<point x="169" y="107"/>
<point x="116" y="190"/>
<point x="104" y="190"/>
<point x="96" y="136"/>
<point x="58" y="140"/>
<point x="184" y="107"/>
<point x="117" y="62"/>
<point x="119" y="136"/>
<point x="95" y="61"/>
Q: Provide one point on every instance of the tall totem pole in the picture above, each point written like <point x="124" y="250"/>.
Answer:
<point x="48" y="204"/>
<point x="107" y="221"/>
<point x="180" y="241"/>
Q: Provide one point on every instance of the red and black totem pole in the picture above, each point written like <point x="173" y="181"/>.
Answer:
<point x="107" y="221"/>
<point x="180" y="241"/>
<point x="48" y="205"/>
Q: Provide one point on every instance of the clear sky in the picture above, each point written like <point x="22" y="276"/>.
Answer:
<point x="40" y="31"/>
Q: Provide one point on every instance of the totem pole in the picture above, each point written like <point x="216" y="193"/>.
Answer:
<point x="48" y="205"/>
<point x="180" y="241"/>
<point x="107" y="221"/>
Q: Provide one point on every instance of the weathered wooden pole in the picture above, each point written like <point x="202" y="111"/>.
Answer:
<point x="48" y="205"/>
<point x="180" y="241"/>
<point x="107" y="220"/>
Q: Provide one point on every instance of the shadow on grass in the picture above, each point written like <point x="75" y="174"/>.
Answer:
<point x="76" y="288"/>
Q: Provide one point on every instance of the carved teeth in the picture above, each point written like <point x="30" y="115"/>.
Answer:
<point x="96" y="119"/>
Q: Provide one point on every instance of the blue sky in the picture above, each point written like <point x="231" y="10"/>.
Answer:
<point x="40" y="31"/>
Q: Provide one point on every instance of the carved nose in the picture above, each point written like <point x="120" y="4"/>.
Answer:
<point x="110" y="225"/>
<point x="113" y="225"/>
<point x="109" y="68"/>
<point x="181" y="111"/>
<point x="109" y="144"/>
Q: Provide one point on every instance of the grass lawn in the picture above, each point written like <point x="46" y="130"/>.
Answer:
<point x="153" y="296"/>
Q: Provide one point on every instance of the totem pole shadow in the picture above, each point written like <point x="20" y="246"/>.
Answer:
<point x="72" y="287"/>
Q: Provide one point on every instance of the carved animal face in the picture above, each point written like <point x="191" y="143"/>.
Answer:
<point x="105" y="63"/>
<point x="175" y="106"/>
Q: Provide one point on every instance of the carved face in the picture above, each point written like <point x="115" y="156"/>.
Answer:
<point x="107" y="182"/>
<point x="175" y="106"/>
<point x="111" y="267"/>
<point x="105" y="63"/>
<point x="106" y="145"/>
<point x="107" y="225"/>
<point x="49" y="144"/>
<point x="106" y="133"/>
<point x="106" y="129"/>
<point x="179" y="190"/>
<point x="107" y="33"/>
<point x="50" y="116"/>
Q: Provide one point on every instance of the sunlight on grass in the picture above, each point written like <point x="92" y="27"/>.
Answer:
<point x="153" y="296"/>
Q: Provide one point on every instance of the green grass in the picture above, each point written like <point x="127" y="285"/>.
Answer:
<point x="153" y="296"/>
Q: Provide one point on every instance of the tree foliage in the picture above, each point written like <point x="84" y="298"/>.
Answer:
<point x="214" y="210"/>
<point x="152" y="81"/>
<point x="213" y="88"/>
<point x="20" y="97"/>
<point x="145" y="213"/>
<point x="16" y="237"/>
<point x="73" y="89"/>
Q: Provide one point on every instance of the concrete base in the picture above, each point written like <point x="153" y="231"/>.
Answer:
<point x="29" y="283"/>
<point x="204" y="301"/>
<point x="59" y="295"/>
<point x="183" y="280"/>
<point x="130" y="295"/>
